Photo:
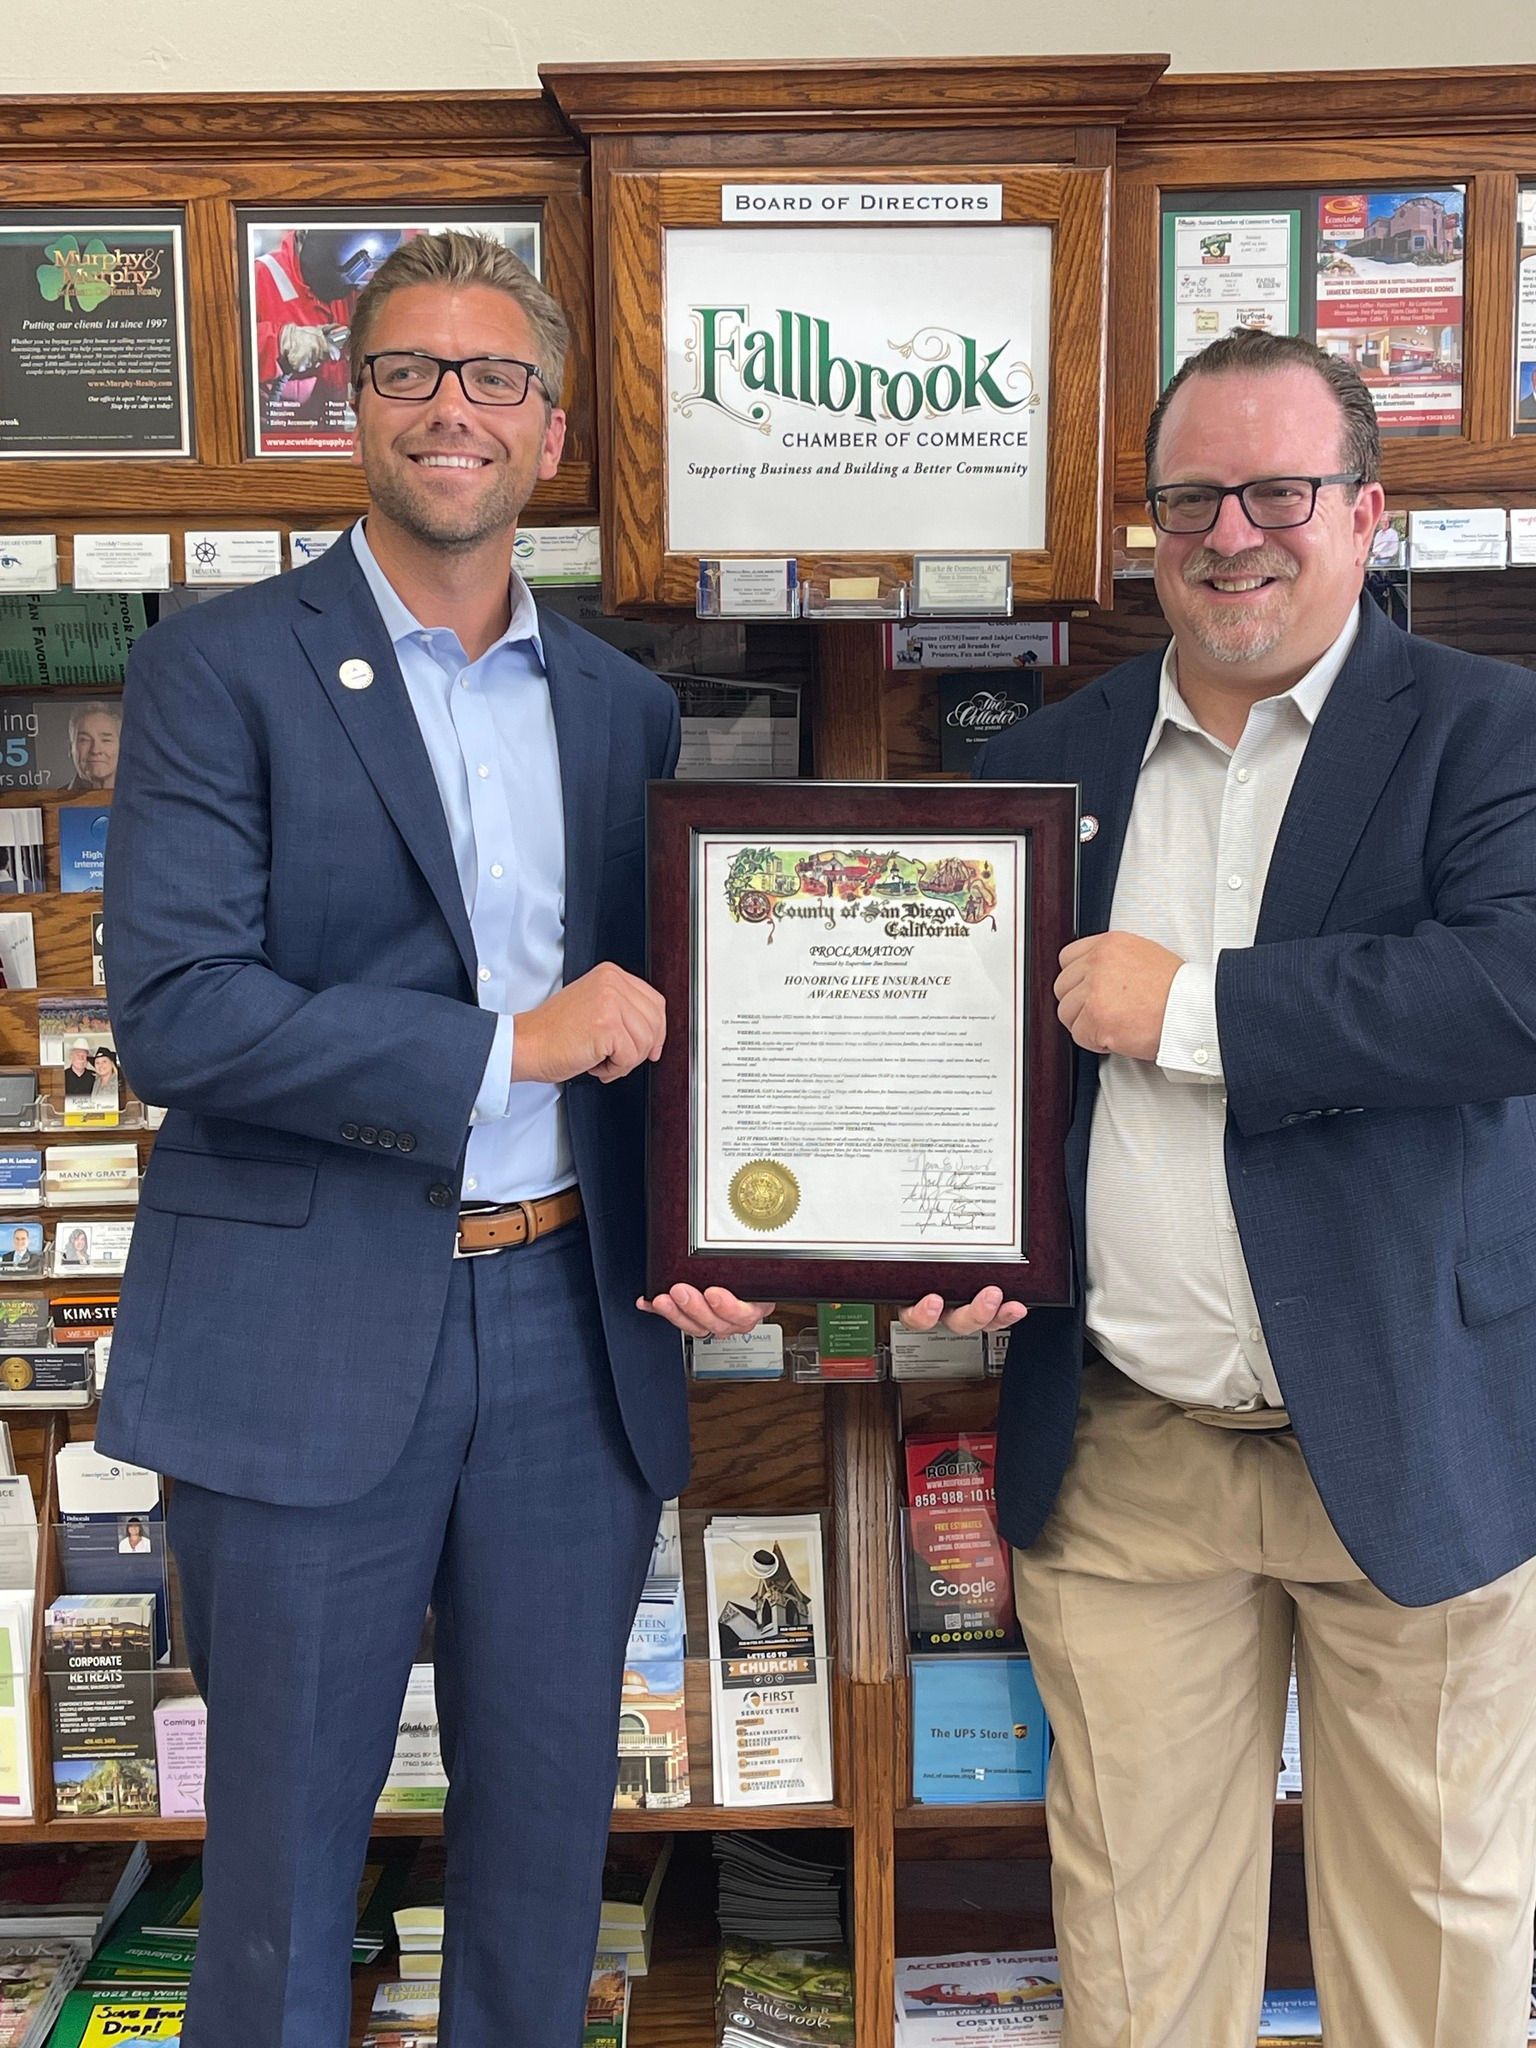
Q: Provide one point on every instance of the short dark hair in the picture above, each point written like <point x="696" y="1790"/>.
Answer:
<point x="1250" y="349"/>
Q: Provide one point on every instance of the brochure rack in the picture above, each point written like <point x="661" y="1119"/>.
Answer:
<point x="1118" y="129"/>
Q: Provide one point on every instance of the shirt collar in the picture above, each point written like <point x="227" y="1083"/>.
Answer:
<point x="400" y="623"/>
<point x="1309" y="694"/>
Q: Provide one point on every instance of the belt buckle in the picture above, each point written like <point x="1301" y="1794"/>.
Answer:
<point x="486" y="1252"/>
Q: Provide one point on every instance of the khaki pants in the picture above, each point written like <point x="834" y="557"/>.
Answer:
<point x="1180" y="1566"/>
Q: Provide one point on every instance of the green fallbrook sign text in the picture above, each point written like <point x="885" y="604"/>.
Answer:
<point x="792" y="358"/>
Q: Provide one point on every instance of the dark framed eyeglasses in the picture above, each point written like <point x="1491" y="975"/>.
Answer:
<point x="1269" y="501"/>
<point x="409" y="375"/>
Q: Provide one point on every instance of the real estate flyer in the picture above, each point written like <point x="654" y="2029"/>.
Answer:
<point x="770" y="1676"/>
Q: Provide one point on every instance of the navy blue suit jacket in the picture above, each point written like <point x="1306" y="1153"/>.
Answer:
<point x="1379" y="1043"/>
<point x="291" y="971"/>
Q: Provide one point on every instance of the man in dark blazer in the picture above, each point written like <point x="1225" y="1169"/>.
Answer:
<point x="1293" y="1411"/>
<point x="375" y="912"/>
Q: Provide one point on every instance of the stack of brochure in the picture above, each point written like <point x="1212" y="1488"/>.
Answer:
<point x="1008" y="1997"/>
<point x="776" y="1899"/>
<point x="770" y="1672"/>
<point x="405" y="2014"/>
<point x="632" y="1874"/>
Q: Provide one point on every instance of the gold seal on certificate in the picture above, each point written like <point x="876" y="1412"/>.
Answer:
<point x="763" y="1194"/>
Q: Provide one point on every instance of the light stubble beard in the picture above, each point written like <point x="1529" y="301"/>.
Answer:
<point x="450" y="530"/>
<point x="1237" y="638"/>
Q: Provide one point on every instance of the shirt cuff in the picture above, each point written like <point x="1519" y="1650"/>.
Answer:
<point x="496" y="1088"/>
<point x="1190" y="1045"/>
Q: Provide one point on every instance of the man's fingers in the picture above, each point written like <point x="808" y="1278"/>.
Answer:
<point x="922" y="1315"/>
<point x="1078" y="949"/>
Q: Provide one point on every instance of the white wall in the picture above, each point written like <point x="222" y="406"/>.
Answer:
<point x="72" y="46"/>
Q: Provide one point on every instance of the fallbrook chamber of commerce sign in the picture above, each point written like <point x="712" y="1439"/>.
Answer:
<point x="857" y="389"/>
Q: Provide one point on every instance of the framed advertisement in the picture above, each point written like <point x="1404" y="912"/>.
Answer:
<point x="852" y="373"/>
<point x="301" y="271"/>
<point x="93" y="335"/>
<point x="864" y="1093"/>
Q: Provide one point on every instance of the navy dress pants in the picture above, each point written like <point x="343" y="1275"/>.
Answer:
<point x="517" y="1509"/>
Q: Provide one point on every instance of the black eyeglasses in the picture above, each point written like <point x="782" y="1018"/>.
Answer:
<point x="1271" y="501"/>
<point x="407" y="374"/>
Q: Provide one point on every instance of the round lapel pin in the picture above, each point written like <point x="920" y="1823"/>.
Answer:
<point x="355" y="675"/>
<point x="1087" y="828"/>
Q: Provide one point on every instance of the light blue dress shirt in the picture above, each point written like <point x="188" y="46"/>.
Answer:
<point x="489" y="730"/>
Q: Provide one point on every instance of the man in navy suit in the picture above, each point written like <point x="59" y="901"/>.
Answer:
<point x="375" y="907"/>
<point x="1293" y="1411"/>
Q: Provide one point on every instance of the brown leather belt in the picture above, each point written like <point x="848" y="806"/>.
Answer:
<point x="511" y="1223"/>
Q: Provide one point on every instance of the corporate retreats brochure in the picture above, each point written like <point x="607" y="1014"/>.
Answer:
<point x="769" y="1677"/>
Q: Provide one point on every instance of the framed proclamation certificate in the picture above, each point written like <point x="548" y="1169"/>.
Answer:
<point x="864" y="1091"/>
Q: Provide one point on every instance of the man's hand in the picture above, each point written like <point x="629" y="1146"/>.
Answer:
<point x="988" y="1311"/>
<point x="607" y="1024"/>
<point x="706" y="1311"/>
<point x="1112" y="992"/>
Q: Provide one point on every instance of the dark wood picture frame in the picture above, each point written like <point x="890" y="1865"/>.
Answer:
<point x="1072" y="201"/>
<point x="1046" y="814"/>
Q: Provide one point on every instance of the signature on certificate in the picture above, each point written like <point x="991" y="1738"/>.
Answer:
<point x="944" y="1195"/>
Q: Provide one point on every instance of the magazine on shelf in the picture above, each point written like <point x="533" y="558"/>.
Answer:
<point x="111" y="1531"/>
<point x="70" y="1030"/>
<point x="99" y="1652"/>
<point x="770" y="1673"/>
<point x="947" y="2001"/>
<point x="1290" y="2016"/>
<point x="659" y="1629"/>
<point x="770" y="1997"/>
<point x="959" y="1571"/>
<point x="107" y="2017"/>
<point x="979" y="1733"/>
<point x="653" y="1736"/>
<point x="417" y="1782"/>
<point x="181" y="1748"/>
<point x="37" y="1972"/>
<point x="83" y="846"/>
<point x="17" y="1798"/>
<point x="23" y="865"/>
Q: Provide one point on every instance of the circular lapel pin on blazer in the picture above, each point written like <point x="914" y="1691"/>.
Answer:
<point x="1087" y="827"/>
<point x="355" y="675"/>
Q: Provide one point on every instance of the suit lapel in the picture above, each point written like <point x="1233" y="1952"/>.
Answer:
<point x="579" y="697"/>
<point x="1360" y="732"/>
<point x="341" y="623"/>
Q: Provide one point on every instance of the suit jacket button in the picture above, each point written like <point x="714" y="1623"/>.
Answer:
<point x="386" y="1140"/>
<point x="369" y="1134"/>
<point x="405" y="1142"/>
<point x="349" y="1131"/>
<point x="439" y="1196"/>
